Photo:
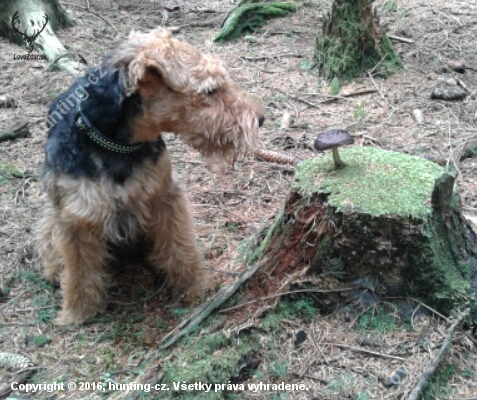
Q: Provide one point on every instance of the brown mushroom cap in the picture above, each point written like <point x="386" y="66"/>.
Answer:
<point x="333" y="138"/>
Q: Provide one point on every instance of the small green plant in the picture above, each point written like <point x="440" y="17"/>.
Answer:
<point x="181" y="311"/>
<point x="358" y="112"/>
<point x="278" y="369"/>
<point x="467" y="373"/>
<point x="333" y="267"/>
<point x="9" y="171"/>
<point x="106" y="355"/>
<point x="304" y="65"/>
<point x="105" y="379"/>
<point x="43" y="296"/>
<point x="401" y="20"/>
<point x="80" y="339"/>
<point x="377" y="319"/>
<point x="295" y="307"/>
<point x="390" y="6"/>
<point x="335" y="86"/>
<point x="208" y="358"/>
<point x="40" y="340"/>
<point x="277" y="98"/>
<point x="438" y="387"/>
<point x="362" y="396"/>
<point x="342" y="384"/>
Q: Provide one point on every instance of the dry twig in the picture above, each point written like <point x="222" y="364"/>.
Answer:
<point x="374" y="353"/>
<point x="431" y="368"/>
<point x="400" y="39"/>
<point x="266" y="57"/>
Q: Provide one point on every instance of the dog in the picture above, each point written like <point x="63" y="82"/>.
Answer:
<point x="107" y="173"/>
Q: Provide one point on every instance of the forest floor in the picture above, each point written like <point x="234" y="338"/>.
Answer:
<point x="342" y="356"/>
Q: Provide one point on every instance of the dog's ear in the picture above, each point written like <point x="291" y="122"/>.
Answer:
<point x="207" y="75"/>
<point x="158" y="62"/>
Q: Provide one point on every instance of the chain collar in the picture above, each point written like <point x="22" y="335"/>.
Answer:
<point x="85" y="126"/>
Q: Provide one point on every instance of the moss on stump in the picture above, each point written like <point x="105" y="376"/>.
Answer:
<point x="387" y="224"/>
<point x="250" y="15"/>
<point x="351" y="42"/>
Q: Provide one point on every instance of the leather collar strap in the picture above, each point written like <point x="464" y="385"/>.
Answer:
<point x="85" y="126"/>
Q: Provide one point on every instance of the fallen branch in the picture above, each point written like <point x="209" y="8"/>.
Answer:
<point x="202" y="312"/>
<point x="431" y="368"/>
<point x="17" y="132"/>
<point x="330" y="100"/>
<point x="267" y="57"/>
<point x="374" y="353"/>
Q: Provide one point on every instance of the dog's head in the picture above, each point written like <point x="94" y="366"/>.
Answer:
<point x="188" y="93"/>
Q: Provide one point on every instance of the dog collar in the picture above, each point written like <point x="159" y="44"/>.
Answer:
<point x="96" y="136"/>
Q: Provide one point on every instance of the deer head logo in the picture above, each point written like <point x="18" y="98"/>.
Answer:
<point x="29" y="39"/>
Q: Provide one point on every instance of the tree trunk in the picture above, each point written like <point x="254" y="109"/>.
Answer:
<point x="20" y="20"/>
<point x="351" y="41"/>
<point x="385" y="225"/>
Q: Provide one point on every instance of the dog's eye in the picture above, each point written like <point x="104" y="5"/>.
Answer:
<point x="210" y="91"/>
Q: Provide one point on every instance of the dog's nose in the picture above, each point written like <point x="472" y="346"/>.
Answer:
<point x="261" y="119"/>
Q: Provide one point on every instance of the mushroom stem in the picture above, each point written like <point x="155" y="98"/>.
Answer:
<point x="337" y="159"/>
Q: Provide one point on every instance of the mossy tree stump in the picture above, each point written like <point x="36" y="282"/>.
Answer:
<point x="32" y="24"/>
<point x="387" y="224"/>
<point x="250" y="15"/>
<point x="352" y="41"/>
<point x="31" y="17"/>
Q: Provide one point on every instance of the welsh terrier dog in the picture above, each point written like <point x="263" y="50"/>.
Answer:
<point x="107" y="173"/>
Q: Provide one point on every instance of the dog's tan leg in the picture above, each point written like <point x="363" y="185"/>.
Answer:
<point x="46" y="234"/>
<point x="174" y="248"/>
<point x="82" y="280"/>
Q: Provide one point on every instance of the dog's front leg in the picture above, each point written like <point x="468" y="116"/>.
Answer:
<point x="174" y="247"/>
<point x="83" y="254"/>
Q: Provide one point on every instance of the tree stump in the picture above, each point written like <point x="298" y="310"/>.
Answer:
<point x="351" y="42"/>
<point x="31" y="17"/>
<point x="32" y="24"/>
<point x="385" y="225"/>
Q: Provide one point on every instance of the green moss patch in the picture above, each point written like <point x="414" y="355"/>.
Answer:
<point x="249" y="16"/>
<point x="9" y="171"/>
<point x="374" y="181"/>
<point x="209" y="358"/>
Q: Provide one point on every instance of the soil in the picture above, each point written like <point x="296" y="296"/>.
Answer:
<point x="274" y="68"/>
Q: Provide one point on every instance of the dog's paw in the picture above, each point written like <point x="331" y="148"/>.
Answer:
<point x="70" y="317"/>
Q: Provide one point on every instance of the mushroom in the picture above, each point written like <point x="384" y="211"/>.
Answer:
<point x="332" y="140"/>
